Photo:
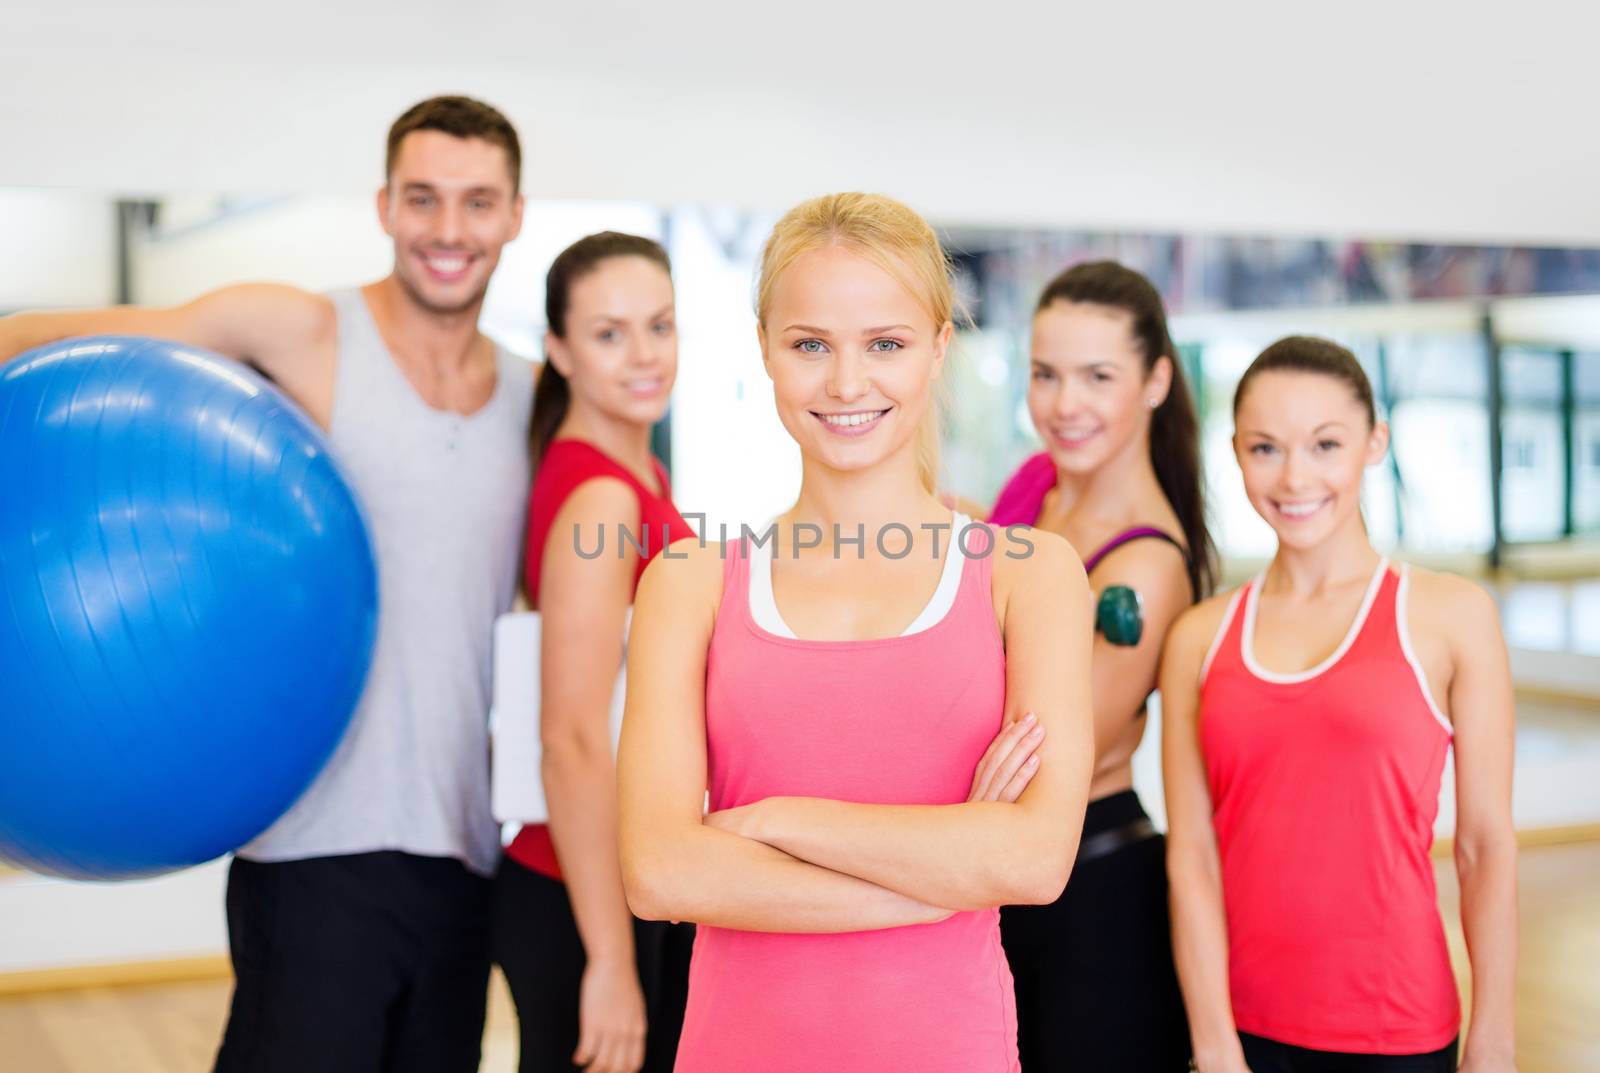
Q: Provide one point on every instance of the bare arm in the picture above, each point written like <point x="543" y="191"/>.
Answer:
<point x="288" y="333"/>
<point x="583" y="604"/>
<point x="1199" y="923"/>
<point x="1124" y="675"/>
<point x="1482" y="712"/>
<point x="982" y="853"/>
<point x="674" y="866"/>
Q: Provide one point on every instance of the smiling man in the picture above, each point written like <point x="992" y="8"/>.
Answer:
<point x="357" y="923"/>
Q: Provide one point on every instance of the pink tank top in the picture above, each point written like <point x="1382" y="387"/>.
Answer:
<point x="1324" y="787"/>
<point x="902" y="720"/>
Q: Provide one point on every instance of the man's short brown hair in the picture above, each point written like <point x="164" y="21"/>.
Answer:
<point x="461" y="117"/>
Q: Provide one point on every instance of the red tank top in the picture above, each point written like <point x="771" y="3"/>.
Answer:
<point x="566" y="464"/>
<point x="1324" y="787"/>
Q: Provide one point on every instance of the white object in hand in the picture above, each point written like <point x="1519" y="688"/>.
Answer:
<point x="516" y="788"/>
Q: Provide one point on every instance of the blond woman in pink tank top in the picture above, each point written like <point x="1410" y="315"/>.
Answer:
<point x="884" y="767"/>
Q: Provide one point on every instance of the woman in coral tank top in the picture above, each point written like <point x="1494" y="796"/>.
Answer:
<point x="1307" y="718"/>
<point x="844" y="691"/>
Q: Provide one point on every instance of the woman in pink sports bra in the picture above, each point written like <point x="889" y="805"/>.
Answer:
<point x="1307" y="718"/>
<point x="1119" y="478"/>
<point x="888" y="704"/>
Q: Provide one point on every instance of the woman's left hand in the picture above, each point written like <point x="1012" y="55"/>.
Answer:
<point x="1010" y="763"/>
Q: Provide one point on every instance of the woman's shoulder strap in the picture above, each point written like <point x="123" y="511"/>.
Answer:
<point x="1128" y="536"/>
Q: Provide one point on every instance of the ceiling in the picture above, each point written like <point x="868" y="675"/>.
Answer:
<point x="1418" y="120"/>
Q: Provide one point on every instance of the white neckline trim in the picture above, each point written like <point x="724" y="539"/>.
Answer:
<point x="764" y="606"/>
<point x="1222" y="631"/>
<point x="1247" y="637"/>
<point x="1404" y="629"/>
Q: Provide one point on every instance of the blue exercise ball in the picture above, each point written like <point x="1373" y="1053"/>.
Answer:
<point x="188" y="601"/>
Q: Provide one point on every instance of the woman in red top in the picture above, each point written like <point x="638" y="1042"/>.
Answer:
<point x="1307" y="718"/>
<point x="588" y="979"/>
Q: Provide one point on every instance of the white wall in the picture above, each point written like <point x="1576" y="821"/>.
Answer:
<point x="50" y="923"/>
<point x="732" y="460"/>
<point x="205" y="241"/>
<point x="56" y="249"/>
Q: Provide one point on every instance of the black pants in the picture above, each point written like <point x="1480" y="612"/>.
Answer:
<point x="536" y="942"/>
<point x="368" y="963"/>
<point x="1096" y="986"/>
<point x="1269" y="1056"/>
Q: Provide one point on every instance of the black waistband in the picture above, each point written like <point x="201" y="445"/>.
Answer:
<point x="1112" y="810"/>
<point x="1105" y="843"/>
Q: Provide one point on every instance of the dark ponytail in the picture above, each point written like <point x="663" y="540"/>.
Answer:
<point x="553" y="395"/>
<point x="1174" y="426"/>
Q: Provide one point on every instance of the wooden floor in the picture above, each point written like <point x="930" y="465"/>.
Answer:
<point x="166" y="1028"/>
<point x="173" y="1028"/>
<point x="1558" y="972"/>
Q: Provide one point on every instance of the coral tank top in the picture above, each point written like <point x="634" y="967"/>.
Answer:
<point x="1324" y="787"/>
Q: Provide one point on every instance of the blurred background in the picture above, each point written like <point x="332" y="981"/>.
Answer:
<point x="1416" y="182"/>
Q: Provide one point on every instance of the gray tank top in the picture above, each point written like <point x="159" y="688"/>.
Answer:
<point x="445" y="498"/>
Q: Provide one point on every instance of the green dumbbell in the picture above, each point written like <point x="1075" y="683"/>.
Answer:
<point x="1120" y="615"/>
